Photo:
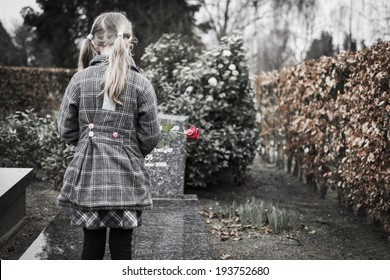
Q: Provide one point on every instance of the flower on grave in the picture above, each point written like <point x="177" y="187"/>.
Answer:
<point x="170" y="132"/>
<point x="193" y="133"/>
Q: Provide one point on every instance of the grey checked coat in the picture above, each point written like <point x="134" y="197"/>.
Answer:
<point x="108" y="170"/>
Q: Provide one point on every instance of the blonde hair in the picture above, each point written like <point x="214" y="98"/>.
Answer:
<point x="108" y="30"/>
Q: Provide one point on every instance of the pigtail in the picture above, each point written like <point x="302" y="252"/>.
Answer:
<point x="107" y="32"/>
<point x="87" y="52"/>
<point x="118" y="64"/>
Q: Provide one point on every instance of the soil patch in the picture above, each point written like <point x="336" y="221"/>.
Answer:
<point x="327" y="232"/>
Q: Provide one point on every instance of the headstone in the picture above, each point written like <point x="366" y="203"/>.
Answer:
<point x="167" y="165"/>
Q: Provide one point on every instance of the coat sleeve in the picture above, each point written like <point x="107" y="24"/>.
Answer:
<point x="68" y="116"/>
<point x="148" y="130"/>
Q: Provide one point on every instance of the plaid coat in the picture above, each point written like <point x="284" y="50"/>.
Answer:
<point x="108" y="170"/>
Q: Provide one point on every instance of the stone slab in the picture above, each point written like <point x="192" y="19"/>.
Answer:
<point x="172" y="230"/>
<point x="13" y="183"/>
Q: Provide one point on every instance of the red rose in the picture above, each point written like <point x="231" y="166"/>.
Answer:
<point x="193" y="133"/>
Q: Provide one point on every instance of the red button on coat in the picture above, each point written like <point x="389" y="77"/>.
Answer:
<point x="115" y="135"/>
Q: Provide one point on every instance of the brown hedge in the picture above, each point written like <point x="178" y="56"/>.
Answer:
<point x="24" y="88"/>
<point x="333" y="115"/>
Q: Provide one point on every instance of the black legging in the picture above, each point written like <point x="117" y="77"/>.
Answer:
<point x="95" y="244"/>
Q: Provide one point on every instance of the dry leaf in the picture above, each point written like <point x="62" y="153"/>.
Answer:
<point x="204" y="213"/>
<point x="267" y="229"/>
<point x="224" y="237"/>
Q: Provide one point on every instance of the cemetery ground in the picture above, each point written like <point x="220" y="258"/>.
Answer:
<point x="327" y="231"/>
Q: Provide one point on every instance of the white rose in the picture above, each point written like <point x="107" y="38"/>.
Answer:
<point x="232" y="67"/>
<point x="226" y="53"/>
<point x="213" y="81"/>
<point x="235" y="73"/>
<point x="189" y="89"/>
<point x="209" y="98"/>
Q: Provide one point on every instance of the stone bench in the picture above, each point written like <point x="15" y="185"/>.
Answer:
<point x="13" y="183"/>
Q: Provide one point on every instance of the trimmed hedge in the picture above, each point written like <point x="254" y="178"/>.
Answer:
<point x="23" y="88"/>
<point x="333" y="116"/>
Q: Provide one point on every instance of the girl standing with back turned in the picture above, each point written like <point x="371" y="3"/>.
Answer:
<point x="109" y="113"/>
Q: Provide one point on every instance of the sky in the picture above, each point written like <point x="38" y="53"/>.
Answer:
<point x="329" y="10"/>
<point x="10" y="12"/>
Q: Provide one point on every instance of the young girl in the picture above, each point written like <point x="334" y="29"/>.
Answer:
<point x="109" y="113"/>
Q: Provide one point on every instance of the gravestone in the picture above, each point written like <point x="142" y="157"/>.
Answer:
<point x="167" y="165"/>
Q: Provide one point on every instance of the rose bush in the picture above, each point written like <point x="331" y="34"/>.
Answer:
<point x="163" y="60"/>
<point x="214" y="91"/>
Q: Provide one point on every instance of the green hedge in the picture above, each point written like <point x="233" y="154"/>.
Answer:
<point x="23" y="88"/>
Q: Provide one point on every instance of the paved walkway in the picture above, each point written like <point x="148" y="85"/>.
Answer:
<point x="173" y="230"/>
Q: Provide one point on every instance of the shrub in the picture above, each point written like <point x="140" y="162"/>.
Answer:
<point x="335" y="118"/>
<point x="27" y="140"/>
<point x="215" y="92"/>
<point x="163" y="61"/>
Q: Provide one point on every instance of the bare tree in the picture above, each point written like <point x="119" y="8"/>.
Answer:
<point x="380" y="19"/>
<point x="306" y="11"/>
<point x="223" y="17"/>
<point x="364" y="21"/>
<point x="289" y="34"/>
<point x="266" y="25"/>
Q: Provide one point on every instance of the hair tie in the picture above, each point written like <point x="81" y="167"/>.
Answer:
<point x="119" y="34"/>
<point x="90" y="36"/>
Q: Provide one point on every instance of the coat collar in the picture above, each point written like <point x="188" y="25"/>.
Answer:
<point x="98" y="59"/>
<point x="104" y="59"/>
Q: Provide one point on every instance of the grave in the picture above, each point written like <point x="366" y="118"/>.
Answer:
<point x="13" y="184"/>
<point x="173" y="229"/>
<point x="167" y="165"/>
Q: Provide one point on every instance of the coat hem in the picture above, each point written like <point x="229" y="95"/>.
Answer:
<point x="104" y="207"/>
